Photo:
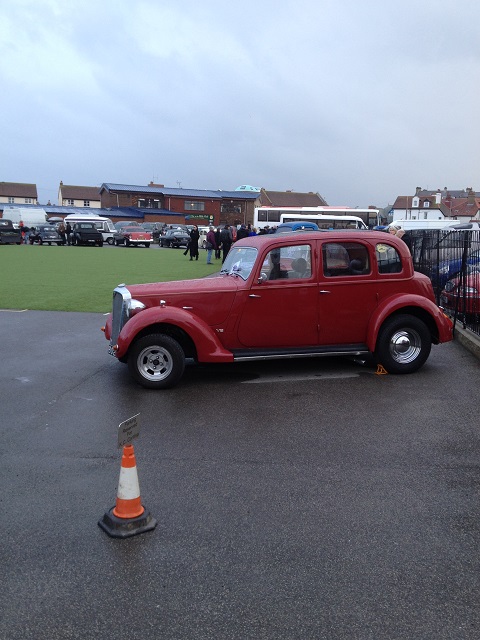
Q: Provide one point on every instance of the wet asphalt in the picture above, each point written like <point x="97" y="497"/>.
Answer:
<point x="310" y="499"/>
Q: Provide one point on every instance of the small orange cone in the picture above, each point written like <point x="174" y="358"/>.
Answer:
<point x="381" y="371"/>
<point x="128" y="517"/>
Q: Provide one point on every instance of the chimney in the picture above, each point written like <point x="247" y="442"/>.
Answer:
<point x="438" y="198"/>
<point x="471" y="196"/>
<point x="417" y="191"/>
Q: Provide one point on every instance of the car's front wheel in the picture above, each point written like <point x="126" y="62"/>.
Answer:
<point x="156" y="361"/>
<point x="110" y="241"/>
<point x="403" y="344"/>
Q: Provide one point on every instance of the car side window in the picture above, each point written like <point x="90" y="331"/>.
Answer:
<point x="388" y="259"/>
<point x="288" y="263"/>
<point x="345" y="259"/>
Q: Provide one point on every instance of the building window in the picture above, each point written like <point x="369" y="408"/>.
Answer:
<point x="415" y="203"/>
<point x="28" y="201"/>
<point x="141" y="203"/>
<point x="86" y="203"/>
<point x="426" y="204"/>
<point x="70" y="203"/>
<point x="193" y="205"/>
<point x="11" y="200"/>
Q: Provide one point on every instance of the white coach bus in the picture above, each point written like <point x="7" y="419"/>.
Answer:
<point x="273" y="216"/>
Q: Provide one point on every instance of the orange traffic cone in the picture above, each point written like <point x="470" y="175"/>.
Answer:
<point x="128" y="517"/>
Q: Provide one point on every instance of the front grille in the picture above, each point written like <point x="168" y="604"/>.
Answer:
<point x="120" y="307"/>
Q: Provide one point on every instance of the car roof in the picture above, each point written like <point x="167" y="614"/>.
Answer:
<point x="297" y="237"/>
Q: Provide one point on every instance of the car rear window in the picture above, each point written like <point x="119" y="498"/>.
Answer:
<point x="388" y="259"/>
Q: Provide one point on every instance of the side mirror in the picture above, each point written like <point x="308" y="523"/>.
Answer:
<point x="263" y="278"/>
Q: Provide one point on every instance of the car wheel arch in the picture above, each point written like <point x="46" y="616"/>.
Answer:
<point x="179" y="334"/>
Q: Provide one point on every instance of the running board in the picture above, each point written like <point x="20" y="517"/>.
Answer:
<point x="300" y="352"/>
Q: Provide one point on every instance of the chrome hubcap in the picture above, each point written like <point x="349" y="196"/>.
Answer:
<point x="405" y="345"/>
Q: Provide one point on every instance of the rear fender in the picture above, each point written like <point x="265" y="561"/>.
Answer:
<point x="439" y="325"/>
<point x="207" y="345"/>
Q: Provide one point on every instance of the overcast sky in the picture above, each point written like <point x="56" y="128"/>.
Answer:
<point x="359" y="101"/>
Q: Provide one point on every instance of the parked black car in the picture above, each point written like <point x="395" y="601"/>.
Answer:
<point x="45" y="234"/>
<point x="8" y="233"/>
<point x="86" y="233"/>
<point x="174" y="238"/>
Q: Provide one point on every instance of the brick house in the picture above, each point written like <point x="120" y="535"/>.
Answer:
<point x="192" y="206"/>
<point x="18" y="193"/>
<point x="76" y="196"/>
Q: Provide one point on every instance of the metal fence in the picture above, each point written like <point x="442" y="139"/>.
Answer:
<point x="451" y="259"/>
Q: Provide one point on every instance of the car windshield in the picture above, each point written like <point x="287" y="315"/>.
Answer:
<point x="134" y="229"/>
<point x="239" y="262"/>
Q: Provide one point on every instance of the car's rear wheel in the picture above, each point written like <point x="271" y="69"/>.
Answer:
<point x="147" y="245"/>
<point x="110" y="241"/>
<point x="403" y="344"/>
<point x="156" y="361"/>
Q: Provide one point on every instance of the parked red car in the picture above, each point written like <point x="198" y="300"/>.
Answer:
<point x="132" y="236"/>
<point x="463" y="297"/>
<point x="283" y="296"/>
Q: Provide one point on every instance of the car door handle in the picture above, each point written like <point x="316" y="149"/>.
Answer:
<point x="324" y="291"/>
<point x="252" y="295"/>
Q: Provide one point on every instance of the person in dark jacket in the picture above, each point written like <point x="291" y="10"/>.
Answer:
<point x="194" y="238"/>
<point x="226" y="239"/>
<point x="218" y="242"/>
<point x="68" y="233"/>
<point x="242" y="232"/>
<point x="211" y="244"/>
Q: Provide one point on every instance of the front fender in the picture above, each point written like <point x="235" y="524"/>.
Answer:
<point x="207" y="344"/>
<point x="408" y="301"/>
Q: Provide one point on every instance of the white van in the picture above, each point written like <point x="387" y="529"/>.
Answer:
<point x="29" y="217"/>
<point x="411" y="225"/>
<point x="104" y="225"/>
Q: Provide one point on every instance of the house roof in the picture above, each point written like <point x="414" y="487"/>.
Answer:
<point x="291" y="199"/>
<point x="446" y="193"/>
<point x="405" y="202"/>
<point x="18" y="190"/>
<point x="176" y="192"/>
<point x="72" y="192"/>
<point x="464" y="207"/>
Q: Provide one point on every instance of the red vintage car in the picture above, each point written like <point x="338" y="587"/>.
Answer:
<point x="132" y="236"/>
<point x="283" y="296"/>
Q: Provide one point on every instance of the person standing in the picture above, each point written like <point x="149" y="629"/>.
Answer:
<point x="68" y="233"/>
<point x="226" y="239"/>
<point x="242" y="232"/>
<point x="218" y="242"/>
<point x="211" y="244"/>
<point x="61" y="232"/>
<point x="194" y="238"/>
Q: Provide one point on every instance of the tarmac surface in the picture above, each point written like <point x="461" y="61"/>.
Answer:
<point x="310" y="499"/>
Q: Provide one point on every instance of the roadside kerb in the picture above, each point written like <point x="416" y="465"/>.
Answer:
<point x="469" y="340"/>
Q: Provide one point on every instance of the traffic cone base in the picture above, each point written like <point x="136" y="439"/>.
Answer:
<point x="123" y="528"/>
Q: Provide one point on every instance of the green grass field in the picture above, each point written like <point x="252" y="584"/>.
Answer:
<point x="83" y="278"/>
